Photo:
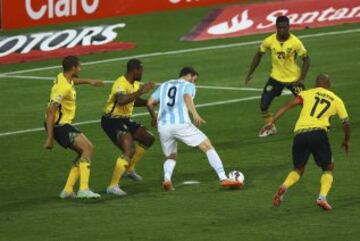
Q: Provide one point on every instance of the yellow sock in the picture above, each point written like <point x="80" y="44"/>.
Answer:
<point x="139" y="153"/>
<point x="267" y="116"/>
<point x="120" y="167"/>
<point x="84" y="167"/>
<point x="326" y="182"/>
<point x="291" y="179"/>
<point x="72" y="179"/>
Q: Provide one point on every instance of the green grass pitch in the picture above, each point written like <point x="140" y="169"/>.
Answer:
<point x="32" y="177"/>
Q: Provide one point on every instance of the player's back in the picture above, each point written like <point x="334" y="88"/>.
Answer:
<point x="319" y="104"/>
<point x="173" y="109"/>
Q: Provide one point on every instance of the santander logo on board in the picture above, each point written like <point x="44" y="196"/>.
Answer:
<point x="60" y="8"/>
<point x="233" y="24"/>
<point x="241" y="20"/>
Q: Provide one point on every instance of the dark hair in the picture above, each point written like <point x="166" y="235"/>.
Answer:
<point x="282" y="19"/>
<point x="133" y="64"/>
<point x="69" y="62"/>
<point x="188" y="70"/>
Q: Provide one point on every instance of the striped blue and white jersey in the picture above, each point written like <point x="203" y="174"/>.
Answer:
<point x="170" y="95"/>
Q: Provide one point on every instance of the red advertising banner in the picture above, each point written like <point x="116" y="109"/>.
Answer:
<point x="243" y="20"/>
<point x="29" y="13"/>
<point x="56" y="44"/>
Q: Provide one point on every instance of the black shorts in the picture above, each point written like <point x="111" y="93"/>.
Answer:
<point x="274" y="88"/>
<point x="65" y="134"/>
<point x="313" y="142"/>
<point x="114" y="126"/>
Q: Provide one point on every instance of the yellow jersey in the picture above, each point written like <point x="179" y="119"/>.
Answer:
<point x="319" y="105"/>
<point x="283" y="57"/>
<point x="121" y="86"/>
<point x="63" y="93"/>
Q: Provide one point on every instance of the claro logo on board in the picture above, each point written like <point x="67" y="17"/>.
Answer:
<point x="60" y="8"/>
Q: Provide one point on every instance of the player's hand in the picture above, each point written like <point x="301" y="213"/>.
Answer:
<point x="145" y="88"/>
<point x="98" y="83"/>
<point x="268" y="126"/>
<point x="247" y="79"/>
<point x="198" y="120"/>
<point x="49" y="144"/>
<point x="346" y="146"/>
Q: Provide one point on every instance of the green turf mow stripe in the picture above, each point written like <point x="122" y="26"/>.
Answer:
<point x="191" y="50"/>
<point x="216" y="103"/>
<point x="212" y="87"/>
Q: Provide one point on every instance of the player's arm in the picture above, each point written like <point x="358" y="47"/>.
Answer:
<point x="139" y="102"/>
<point x="304" y="68"/>
<point x="346" y="143"/>
<point x="123" y="99"/>
<point x="50" y="120"/>
<point x="254" y="64"/>
<point x="191" y="107"/>
<point x="96" y="83"/>
<point x="302" y="52"/>
<point x="343" y="115"/>
<point x="151" y="103"/>
<point x="289" y="105"/>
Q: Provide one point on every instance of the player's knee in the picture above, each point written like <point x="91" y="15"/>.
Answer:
<point x="328" y="167"/>
<point x="149" y="141"/>
<point x="300" y="170"/>
<point x="263" y="107"/>
<point x="130" y="152"/>
<point x="205" y="146"/>
<point x="172" y="156"/>
<point x="90" y="148"/>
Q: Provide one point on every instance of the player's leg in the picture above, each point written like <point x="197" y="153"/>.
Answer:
<point x="295" y="88"/>
<point x="169" y="148"/>
<point x="300" y="152"/>
<point x="271" y="90"/>
<point x="192" y="136"/>
<point x="85" y="147"/>
<point x="126" y="143"/>
<point x="169" y="166"/>
<point x="323" y="157"/>
<point x="145" y="140"/>
<point x="64" y="135"/>
<point x="213" y="158"/>
<point x="216" y="163"/>
<point x="73" y="177"/>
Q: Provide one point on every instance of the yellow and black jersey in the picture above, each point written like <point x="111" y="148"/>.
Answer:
<point x="319" y="105"/>
<point x="283" y="57"/>
<point x="121" y="86"/>
<point x="63" y="93"/>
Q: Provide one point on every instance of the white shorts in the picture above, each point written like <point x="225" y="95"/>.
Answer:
<point x="186" y="133"/>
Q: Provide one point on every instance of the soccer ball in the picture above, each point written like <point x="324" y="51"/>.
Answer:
<point x="237" y="176"/>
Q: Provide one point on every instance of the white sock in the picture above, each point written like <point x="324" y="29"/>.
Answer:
<point x="169" y="166"/>
<point x="216" y="163"/>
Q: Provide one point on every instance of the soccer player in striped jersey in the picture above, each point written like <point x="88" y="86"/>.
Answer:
<point x="319" y="104"/>
<point x="58" y="124"/>
<point x="175" y="98"/>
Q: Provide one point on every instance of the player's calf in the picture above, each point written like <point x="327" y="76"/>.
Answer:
<point x="169" y="166"/>
<point x="279" y="196"/>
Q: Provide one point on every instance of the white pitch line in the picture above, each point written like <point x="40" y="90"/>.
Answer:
<point x="135" y="115"/>
<point x="214" y="47"/>
<point x="111" y="81"/>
